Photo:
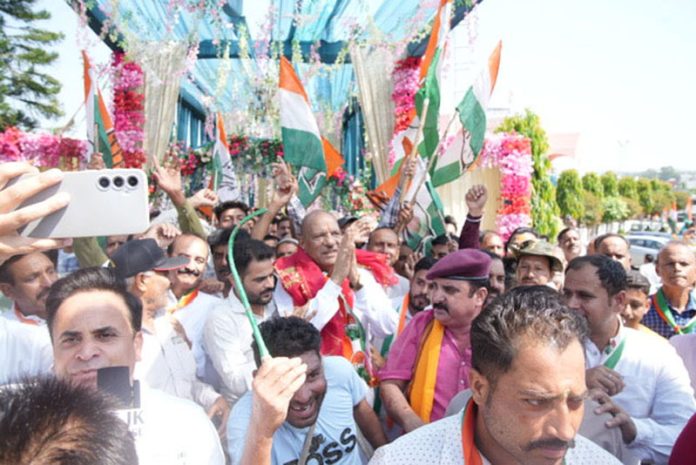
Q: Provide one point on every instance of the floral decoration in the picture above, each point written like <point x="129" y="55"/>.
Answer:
<point x="512" y="155"/>
<point x="405" y="77"/>
<point x="42" y="149"/>
<point x="129" y="106"/>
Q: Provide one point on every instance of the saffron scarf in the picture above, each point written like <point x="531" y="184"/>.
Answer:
<point x="471" y="454"/>
<point x="422" y="390"/>
<point x="184" y="301"/>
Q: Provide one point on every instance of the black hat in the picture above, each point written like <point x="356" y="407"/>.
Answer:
<point x="347" y="220"/>
<point x="142" y="255"/>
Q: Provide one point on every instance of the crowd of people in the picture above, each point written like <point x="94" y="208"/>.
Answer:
<point x="469" y="350"/>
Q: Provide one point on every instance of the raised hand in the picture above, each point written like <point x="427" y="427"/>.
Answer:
<point x="476" y="198"/>
<point x="204" y="198"/>
<point x="163" y="233"/>
<point x="344" y="259"/>
<point x="168" y="178"/>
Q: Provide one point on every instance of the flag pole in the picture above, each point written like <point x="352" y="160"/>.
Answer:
<point x="414" y="150"/>
<point x="241" y="293"/>
<point x="431" y="162"/>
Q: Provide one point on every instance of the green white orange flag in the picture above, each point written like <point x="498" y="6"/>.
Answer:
<point x="224" y="180"/>
<point x="428" y="75"/>
<point x="428" y="212"/>
<point x="302" y="143"/>
<point x="472" y="114"/>
<point x="100" y="129"/>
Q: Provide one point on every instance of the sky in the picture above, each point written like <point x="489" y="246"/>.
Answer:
<point x="620" y="73"/>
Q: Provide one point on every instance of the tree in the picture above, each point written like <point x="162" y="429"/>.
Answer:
<point x="628" y="188"/>
<point x="682" y="199"/>
<point x="544" y="207"/>
<point x="645" y="195"/>
<point x="668" y="173"/>
<point x="593" y="209"/>
<point x="610" y="184"/>
<point x="569" y="195"/>
<point x="614" y="209"/>
<point x="593" y="184"/>
<point x="25" y="91"/>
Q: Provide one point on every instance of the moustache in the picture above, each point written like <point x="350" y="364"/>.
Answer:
<point x="550" y="444"/>
<point x="43" y="294"/>
<point x="195" y="273"/>
<point x="440" y="306"/>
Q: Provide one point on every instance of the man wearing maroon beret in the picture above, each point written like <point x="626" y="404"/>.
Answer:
<point x="429" y="363"/>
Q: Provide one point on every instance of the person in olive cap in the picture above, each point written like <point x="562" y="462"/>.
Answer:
<point x="537" y="261"/>
<point x="432" y="356"/>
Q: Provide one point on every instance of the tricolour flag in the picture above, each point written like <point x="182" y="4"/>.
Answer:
<point x="472" y="114"/>
<point x="224" y="180"/>
<point x="428" y="75"/>
<point x="302" y="143"/>
<point x="428" y="217"/>
<point x="100" y="129"/>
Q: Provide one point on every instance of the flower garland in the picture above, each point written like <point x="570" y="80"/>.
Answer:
<point x="42" y="150"/>
<point x="129" y="116"/>
<point x="405" y="77"/>
<point x="512" y="155"/>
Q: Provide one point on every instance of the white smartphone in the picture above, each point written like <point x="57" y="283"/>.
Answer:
<point x="102" y="203"/>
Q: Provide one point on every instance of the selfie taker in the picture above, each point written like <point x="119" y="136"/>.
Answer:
<point x="95" y="323"/>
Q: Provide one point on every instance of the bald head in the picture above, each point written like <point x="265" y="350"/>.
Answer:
<point x="320" y="238"/>
<point x="676" y="265"/>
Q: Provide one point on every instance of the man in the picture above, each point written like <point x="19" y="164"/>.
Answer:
<point x="26" y="280"/>
<point x="439" y="247"/>
<point x="166" y="360"/>
<point x="285" y="227"/>
<point x="61" y="423"/>
<point x="337" y="284"/>
<point x="496" y="277"/>
<point x="308" y="414"/>
<point x="286" y="247"/>
<point x="638" y="379"/>
<point x="229" y="214"/>
<point x="186" y="303"/>
<point x="227" y="335"/>
<point x="384" y="240"/>
<point x="113" y="243"/>
<point x="673" y="307"/>
<point x="492" y="242"/>
<point x="569" y="242"/>
<point x="637" y="302"/>
<point x="528" y="389"/>
<point x="25" y="351"/>
<point x="616" y="247"/>
<point x="536" y="264"/>
<point x="95" y="323"/>
<point x="432" y="355"/>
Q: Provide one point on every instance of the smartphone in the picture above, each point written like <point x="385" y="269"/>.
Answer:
<point x="102" y="203"/>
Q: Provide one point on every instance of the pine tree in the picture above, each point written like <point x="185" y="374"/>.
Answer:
<point x="25" y="91"/>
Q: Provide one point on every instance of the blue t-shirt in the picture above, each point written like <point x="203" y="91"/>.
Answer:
<point x="335" y="435"/>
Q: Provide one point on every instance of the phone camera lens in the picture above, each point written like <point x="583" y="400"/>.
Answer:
<point x="118" y="182"/>
<point x="132" y="181"/>
<point x="104" y="182"/>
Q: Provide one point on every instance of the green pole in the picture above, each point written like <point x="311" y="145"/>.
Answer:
<point x="263" y="351"/>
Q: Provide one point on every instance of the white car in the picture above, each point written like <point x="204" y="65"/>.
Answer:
<point x="644" y="244"/>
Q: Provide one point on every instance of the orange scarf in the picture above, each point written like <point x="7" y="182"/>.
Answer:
<point x="23" y="319"/>
<point x="469" y="449"/>
<point x="184" y="301"/>
<point x="422" y="389"/>
<point x="402" y="314"/>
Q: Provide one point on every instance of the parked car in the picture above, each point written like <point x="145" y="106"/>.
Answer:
<point x="644" y="244"/>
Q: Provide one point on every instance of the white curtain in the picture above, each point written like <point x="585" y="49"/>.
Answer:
<point x="373" y="73"/>
<point x="162" y="63"/>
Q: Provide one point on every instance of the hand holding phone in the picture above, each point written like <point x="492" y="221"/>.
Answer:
<point x="13" y="218"/>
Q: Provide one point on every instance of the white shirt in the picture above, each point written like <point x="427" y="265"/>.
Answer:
<point x="25" y="350"/>
<point x="11" y="314"/>
<point x="192" y="317"/>
<point x="166" y="363"/>
<point x="372" y="306"/>
<point x="227" y="338"/>
<point x="335" y="434"/>
<point x="400" y="289"/>
<point x="657" y="393"/>
<point x="172" y="431"/>
<point x="685" y="345"/>
<point x="440" y="443"/>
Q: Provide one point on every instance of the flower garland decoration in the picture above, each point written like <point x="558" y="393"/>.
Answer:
<point x="405" y="77"/>
<point x="42" y="150"/>
<point x="512" y="155"/>
<point x="129" y="106"/>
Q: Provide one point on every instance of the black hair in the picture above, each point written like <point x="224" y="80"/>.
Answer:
<point x="424" y="263"/>
<point x="442" y="239"/>
<point x="230" y="204"/>
<point x="599" y="239"/>
<point x="518" y="231"/>
<point x="248" y="250"/>
<point x="536" y="312"/>
<point x="494" y="256"/>
<point x="271" y="237"/>
<point x="610" y="272"/>
<point x="635" y="280"/>
<point x="563" y="233"/>
<point x="449" y="219"/>
<point x="92" y="279"/>
<point x="649" y="258"/>
<point x="288" y="337"/>
<point x="52" y="422"/>
<point x="5" y="272"/>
